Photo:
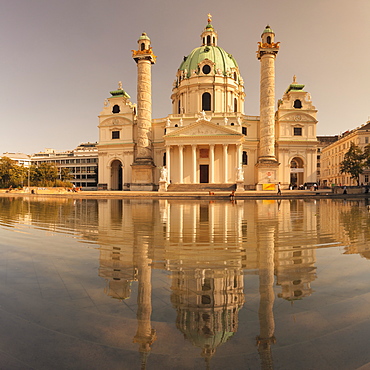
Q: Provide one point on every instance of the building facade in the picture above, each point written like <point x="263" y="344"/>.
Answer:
<point x="323" y="141"/>
<point x="207" y="138"/>
<point x="20" y="158"/>
<point x="333" y="154"/>
<point x="82" y="163"/>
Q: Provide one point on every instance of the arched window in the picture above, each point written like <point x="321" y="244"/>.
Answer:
<point x="269" y="39"/>
<point x="164" y="159"/>
<point x="235" y="104"/>
<point x="208" y="40"/>
<point x="206" y="101"/>
<point x="142" y="46"/>
<point x="245" y="158"/>
<point x="297" y="103"/>
<point x="179" y="107"/>
<point x="116" y="109"/>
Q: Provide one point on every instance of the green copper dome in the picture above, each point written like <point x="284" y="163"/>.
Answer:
<point x="267" y="30"/>
<point x="144" y="36"/>
<point x="223" y="61"/>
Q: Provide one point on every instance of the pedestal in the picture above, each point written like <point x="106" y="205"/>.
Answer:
<point x="142" y="177"/>
<point x="239" y="186"/>
<point x="267" y="171"/>
<point x="163" y="184"/>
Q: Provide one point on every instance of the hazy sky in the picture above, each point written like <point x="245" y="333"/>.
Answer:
<point x="61" y="58"/>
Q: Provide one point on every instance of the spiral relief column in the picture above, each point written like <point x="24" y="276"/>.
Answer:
<point x="267" y="162"/>
<point x="142" y="168"/>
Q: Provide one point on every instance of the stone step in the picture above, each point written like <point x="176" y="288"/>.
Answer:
<point x="201" y="187"/>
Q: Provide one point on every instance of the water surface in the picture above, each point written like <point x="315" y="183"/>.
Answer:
<point x="135" y="284"/>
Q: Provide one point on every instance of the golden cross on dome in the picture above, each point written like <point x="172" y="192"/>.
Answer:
<point x="209" y="18"/>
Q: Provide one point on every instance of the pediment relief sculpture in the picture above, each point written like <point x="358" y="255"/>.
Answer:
<point x="297" y="117"/>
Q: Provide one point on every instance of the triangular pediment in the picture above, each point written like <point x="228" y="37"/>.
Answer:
<point x="203" y="128"/>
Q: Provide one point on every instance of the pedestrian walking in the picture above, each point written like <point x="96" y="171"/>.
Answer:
<point x="279" y="189"/>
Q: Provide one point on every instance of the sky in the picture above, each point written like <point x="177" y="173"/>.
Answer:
<point x="60" y="59"/>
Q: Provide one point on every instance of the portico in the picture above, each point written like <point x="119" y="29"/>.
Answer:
<point x="194" y="159"/>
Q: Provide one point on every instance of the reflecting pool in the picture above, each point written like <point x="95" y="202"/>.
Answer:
<point x="169" y="284"/>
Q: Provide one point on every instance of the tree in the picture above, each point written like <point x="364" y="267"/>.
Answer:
<point x="7" y="169"/>
<point x="353" y="163"/>
<point x="367" y="156"/>
<point x="47" y="174"/>
<point x="65" y="174"/>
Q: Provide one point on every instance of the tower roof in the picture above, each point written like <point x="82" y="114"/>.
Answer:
<point x="268" y="29"/>
<point x="294" y="86"/>
<point x="144" y="36"/>
<point x="120" y="91"/>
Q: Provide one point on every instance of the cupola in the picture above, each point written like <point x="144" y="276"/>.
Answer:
<point x="209" y="35"/>
<point x="268" y="35"/>
<point x="144" y="42"/>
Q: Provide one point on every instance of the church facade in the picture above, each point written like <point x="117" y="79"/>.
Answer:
<point x="208" y="139"/>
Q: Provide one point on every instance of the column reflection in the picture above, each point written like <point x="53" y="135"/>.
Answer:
<point x="209" y="249"/>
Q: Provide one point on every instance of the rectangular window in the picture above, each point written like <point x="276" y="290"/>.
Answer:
<point x="245" y="158"/>
<point x="366" y="140"/>
<point x="244" y="131"/>
<point x="297" y="131"/>
<point x="366" y="178"/>
<point x="115" y="134"/>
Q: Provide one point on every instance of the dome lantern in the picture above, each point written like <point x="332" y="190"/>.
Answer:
<point x="209" y="35"/>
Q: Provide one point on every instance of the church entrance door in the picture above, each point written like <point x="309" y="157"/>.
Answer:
<point x="296" y="172"/>
<point x="116" y="175"/>
<point x="204" y="173"/>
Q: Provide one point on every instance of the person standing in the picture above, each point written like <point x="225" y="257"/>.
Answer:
<point x="279" y="189"/>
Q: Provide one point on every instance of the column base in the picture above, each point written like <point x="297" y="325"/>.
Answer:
<point x="267" y="173"/>
<point x="142" y="177"/>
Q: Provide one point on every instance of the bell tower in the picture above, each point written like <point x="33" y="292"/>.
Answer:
<point x="267" y="162"/>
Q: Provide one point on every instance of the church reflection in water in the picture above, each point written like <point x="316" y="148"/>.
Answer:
<point x="208" y="248"/>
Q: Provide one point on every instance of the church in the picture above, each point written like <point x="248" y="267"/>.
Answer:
<point x="208" y="142"/>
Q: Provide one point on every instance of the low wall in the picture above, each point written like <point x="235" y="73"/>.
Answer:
<point x="350" y="189"/>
